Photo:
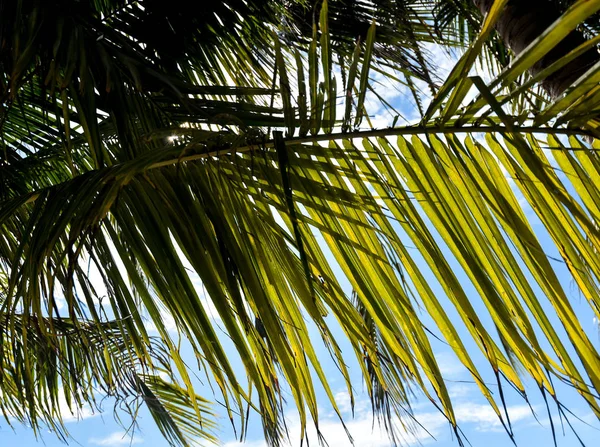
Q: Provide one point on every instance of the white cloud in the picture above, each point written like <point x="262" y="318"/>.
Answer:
<point x="450" y="366"/>
<point x="393" y="93"/>
<point x="444" y="59"/>
<point x="117" y="438"/>
<point x="73" y="413"/>
<point x="342" y="399"/>
<point x="246" y="444"/>
<point x="484" y="418"/>
<point x="366" y="433"/>
<point x="444" y="63"/>
<point x="460" y="390"/>
<point x="68" y="415"/>
<point x="167" y="320"/>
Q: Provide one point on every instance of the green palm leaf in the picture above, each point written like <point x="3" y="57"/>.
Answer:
<point x="159" y="169"/>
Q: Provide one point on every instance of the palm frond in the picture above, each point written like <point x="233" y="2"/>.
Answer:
<point x="46" y="361"/>
<point x="168" y="180"/>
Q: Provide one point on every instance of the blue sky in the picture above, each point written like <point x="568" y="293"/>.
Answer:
<point x="480" y="425"/>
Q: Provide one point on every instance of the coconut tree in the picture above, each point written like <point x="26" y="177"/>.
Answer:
<point x="148" y="148"/>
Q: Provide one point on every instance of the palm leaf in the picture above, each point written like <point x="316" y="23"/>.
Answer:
<point x="169" y="174"/>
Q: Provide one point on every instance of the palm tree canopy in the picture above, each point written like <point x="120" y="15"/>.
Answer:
<point x="159" y="142"/>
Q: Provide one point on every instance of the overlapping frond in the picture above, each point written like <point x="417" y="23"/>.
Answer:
<point x="53" y="368"/>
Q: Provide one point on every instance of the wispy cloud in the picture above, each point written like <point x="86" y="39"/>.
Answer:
<point x="72" y="414"/>
<point x="344" y="403"/>
<point x="450" y="366"/>
<point x="246" y="444"/>
<point x="484" y="418"/>
<point x="461" y="390"/>
<point x="117" y="438"/>
<point x="366" y="433"/>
